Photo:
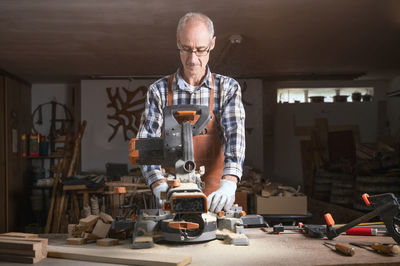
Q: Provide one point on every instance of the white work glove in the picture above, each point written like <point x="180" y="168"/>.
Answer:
<point x="162" y="187"/>
<point x="222" y="198"/>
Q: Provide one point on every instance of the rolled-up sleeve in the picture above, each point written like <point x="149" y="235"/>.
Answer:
<point x="150" y="127"/>
<point x="233" y="127"/>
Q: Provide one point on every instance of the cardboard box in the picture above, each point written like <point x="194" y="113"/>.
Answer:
<point x="282" y="205"/>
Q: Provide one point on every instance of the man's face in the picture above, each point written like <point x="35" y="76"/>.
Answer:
<point x="194" y="36"/>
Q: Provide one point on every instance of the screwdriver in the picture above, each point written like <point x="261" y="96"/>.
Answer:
<point x="342" y="248"/>
<point x="389" y="249"/>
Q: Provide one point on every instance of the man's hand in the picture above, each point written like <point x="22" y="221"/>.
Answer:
<point x="224" y="197"/>
<point x="158" y="187"/>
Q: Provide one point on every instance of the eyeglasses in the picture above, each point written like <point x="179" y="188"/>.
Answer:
<point x="198" y="52"/>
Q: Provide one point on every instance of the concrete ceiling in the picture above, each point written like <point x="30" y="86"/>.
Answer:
<point x="47" y="41"/>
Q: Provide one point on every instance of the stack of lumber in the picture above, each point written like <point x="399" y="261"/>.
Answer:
<point x="90" y="229"/>
<point x="22" y="248"/>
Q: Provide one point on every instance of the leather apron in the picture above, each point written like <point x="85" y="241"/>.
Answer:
<point x="207" y="147"/>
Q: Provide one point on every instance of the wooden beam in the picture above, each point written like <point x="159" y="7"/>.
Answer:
<point x="53" y="197"/>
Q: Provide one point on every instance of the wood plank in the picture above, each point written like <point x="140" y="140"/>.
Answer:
<point x="76" y="241"/>
<point x="43" y="241"/>
<point x="19" y="235"/>
<point x="16" y="244"/>
<point x="22" y="252"/>
<point x="53" y="196"/>
<point x="107" y="242"/>
<point x="127" y="257"/>
<point x="59" y="213"/>
<point x="77" y="144"/>
<point x="21" y="259"/>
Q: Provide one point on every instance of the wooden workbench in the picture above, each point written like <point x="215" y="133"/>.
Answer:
<point x="288" y="248"/>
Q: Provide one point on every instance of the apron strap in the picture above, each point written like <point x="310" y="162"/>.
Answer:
<point x="171" y="79"/>
<point x="211" y="99"/>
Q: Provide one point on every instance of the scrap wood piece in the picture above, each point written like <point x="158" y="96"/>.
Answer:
<point x="101" y="229"/>
<point x="107" y="242"/>
<point x="89" y="221"/>
<point x="19" y="235"/>
<point x="127" y="257"/>
<point x="76" y="241"/>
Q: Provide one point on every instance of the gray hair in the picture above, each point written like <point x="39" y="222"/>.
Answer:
<point x="192" y="16"/>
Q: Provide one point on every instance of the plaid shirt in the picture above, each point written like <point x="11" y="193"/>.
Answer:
<point x="228" y="110"/>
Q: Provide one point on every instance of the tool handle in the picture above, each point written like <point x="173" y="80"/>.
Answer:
<point x="386" y="249"/>
<point x="361" y="231"/>
<point x="345" y="249"/>
<point x="329" y="219"/>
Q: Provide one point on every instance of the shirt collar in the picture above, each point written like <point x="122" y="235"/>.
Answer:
<point x="183" y="85"/>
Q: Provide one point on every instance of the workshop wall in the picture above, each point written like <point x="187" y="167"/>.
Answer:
<point x="43" y="93"/>
<point x="287" y="167"/>
<point x="97" y="147"/>
<point x="393" y="107"/>
<point x="97" y="150"/>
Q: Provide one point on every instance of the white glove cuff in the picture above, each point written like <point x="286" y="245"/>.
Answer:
<point x="228" y="185"/>
<point x="160" y="188"/>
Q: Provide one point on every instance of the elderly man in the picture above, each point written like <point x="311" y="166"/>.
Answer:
<point x="222" y="149"/>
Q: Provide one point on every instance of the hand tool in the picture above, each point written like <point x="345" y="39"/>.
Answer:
<point x="342" y="248"/>
<point x="385" y="205"/>
<point x="388" y="249"/>
<point x="365" y="231"/>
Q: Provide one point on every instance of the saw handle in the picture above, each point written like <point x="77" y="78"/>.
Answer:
<point x="365" y="197"/>
<point x="329" y="219"/>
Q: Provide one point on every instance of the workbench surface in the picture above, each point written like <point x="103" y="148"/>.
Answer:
<point x="288" y="248"/>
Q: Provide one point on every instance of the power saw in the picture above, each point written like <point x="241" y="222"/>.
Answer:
<point x="189" y="220"/>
